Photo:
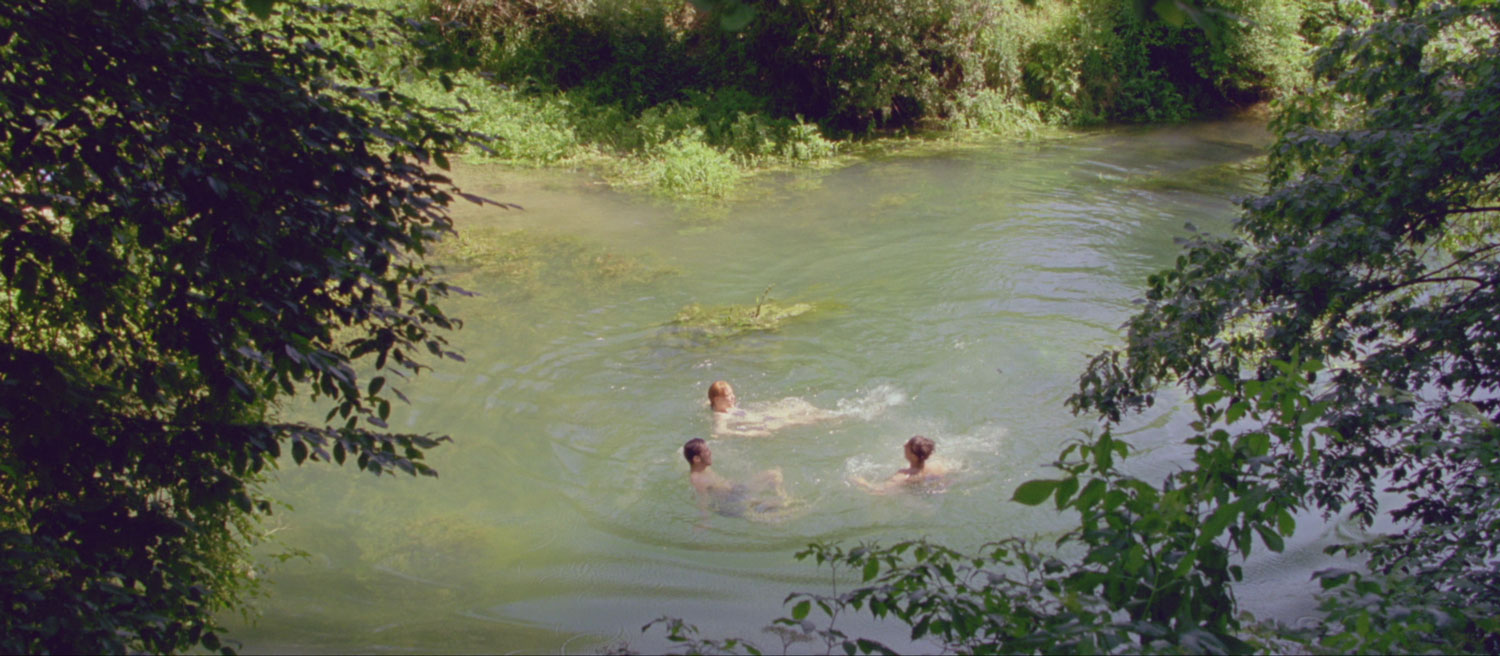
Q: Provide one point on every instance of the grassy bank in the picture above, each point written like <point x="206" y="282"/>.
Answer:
<point x="686" y="99"/>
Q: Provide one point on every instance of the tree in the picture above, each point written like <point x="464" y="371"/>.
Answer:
<point x="202" y="211"/>
<point x="1342" y="353"/>
<point x="1374" y="251"/>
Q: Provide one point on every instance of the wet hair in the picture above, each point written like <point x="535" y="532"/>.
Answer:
<point x="921" y="447"/>
<point x="718" y="389"/>
<point x="693" y="449"/>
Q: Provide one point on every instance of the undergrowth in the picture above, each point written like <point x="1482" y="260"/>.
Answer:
<point x="687" y="99"/>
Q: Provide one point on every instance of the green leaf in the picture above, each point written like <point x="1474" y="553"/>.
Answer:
<point x="1272" y="540"/>
<point x="1135" y="558"/>
<point x="299" y="451"/>
<point x="1332" y="577"/>
<point x="1285" y="522"/>
<point x="1065" y="491"/>
<point x="1236" y="411"/>
<point x="920" y="628"/>
<point x="1186" y="564"/>
<point x="738" y="16"/>
<point x="260" y="8"/>
<point x="1104" y="452"/>
<point x="799" y="612"/>
<point x="1218" y="521"/>
<point x="1091" y="494"/>
<point x="1259" y="444"/>
<point x="872" y="568"/>
<point x="1034" y="492"/>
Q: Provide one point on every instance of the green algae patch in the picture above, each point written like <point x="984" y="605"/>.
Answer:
<point x="522" y="264"/>
<point x="1235" y="177"/>
<point x="712" y="323"/>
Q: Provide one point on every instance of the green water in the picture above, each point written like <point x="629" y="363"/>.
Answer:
<point x="964" y="291"/>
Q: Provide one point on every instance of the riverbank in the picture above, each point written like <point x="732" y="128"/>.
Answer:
<point x="677" y="100"/>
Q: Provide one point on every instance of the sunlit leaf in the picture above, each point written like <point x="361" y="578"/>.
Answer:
<point x="1034" y="492"/>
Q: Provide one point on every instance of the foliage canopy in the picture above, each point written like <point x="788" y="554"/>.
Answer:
<point x="201" y="212"/>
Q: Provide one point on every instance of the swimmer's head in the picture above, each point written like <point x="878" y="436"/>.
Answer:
<point x="696" y="452"/>
<point x="919" y="449"/>
<point x="721" y="396"/>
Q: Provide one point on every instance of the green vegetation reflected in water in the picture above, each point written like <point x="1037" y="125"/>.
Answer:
<point x="970" y="286"/>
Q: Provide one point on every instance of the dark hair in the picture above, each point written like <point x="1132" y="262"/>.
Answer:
<point x="693" y="449"/>
<point x="921" y="447"/>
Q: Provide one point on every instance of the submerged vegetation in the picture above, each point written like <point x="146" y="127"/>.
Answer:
<point x="709" y="324"/>
<point x="528" y="265"/>
<point x="1229" y="177"/>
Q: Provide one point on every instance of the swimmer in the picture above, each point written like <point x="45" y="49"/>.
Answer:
<point x="917" y="450"/>
<point x="730" y="419"/>
<point x="724" y="497"/>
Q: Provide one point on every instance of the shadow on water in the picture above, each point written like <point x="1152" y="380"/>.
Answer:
<point x="969" y="288"/>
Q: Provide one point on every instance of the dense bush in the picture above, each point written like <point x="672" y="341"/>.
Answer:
<point x="769" y="82"/>
<point x="1105" y="61"/>
<point x="202" y="212"/>
<point x="859" y="65"/>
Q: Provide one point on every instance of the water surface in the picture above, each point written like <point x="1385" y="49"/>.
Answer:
<point x="963" y="290"/>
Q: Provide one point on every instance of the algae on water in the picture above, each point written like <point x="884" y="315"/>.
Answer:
<point x="724" y="321"/>
<point x="525" y="265"/>
<point x="1236" y="176"/>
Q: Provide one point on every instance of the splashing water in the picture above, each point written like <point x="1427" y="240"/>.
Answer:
<point x="873" y="403"/>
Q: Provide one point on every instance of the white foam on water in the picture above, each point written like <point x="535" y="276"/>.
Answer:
<point x="873" y="403"/>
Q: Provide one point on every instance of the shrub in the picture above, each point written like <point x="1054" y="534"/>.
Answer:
<point x="529" y="129"/>
<point x="991" y="112"/>
<point x="206" y="212"/>
<point x="689" y="167"/>
<point x="855" y="66"/>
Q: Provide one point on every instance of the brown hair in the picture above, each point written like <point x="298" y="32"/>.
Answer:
<point x="921" y="447"/>
<point x="693" y="449"/>
<point x="718" y="389"/>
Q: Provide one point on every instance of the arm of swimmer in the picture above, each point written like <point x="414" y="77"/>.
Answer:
<point x="806" y="413"/>
<point x="882" y="487"/>
<point x="741" y="432"/>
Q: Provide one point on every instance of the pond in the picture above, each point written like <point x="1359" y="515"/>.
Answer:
<point x="957" y="295"/>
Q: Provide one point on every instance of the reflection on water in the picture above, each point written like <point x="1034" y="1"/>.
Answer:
<point x="971" y="285"/>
